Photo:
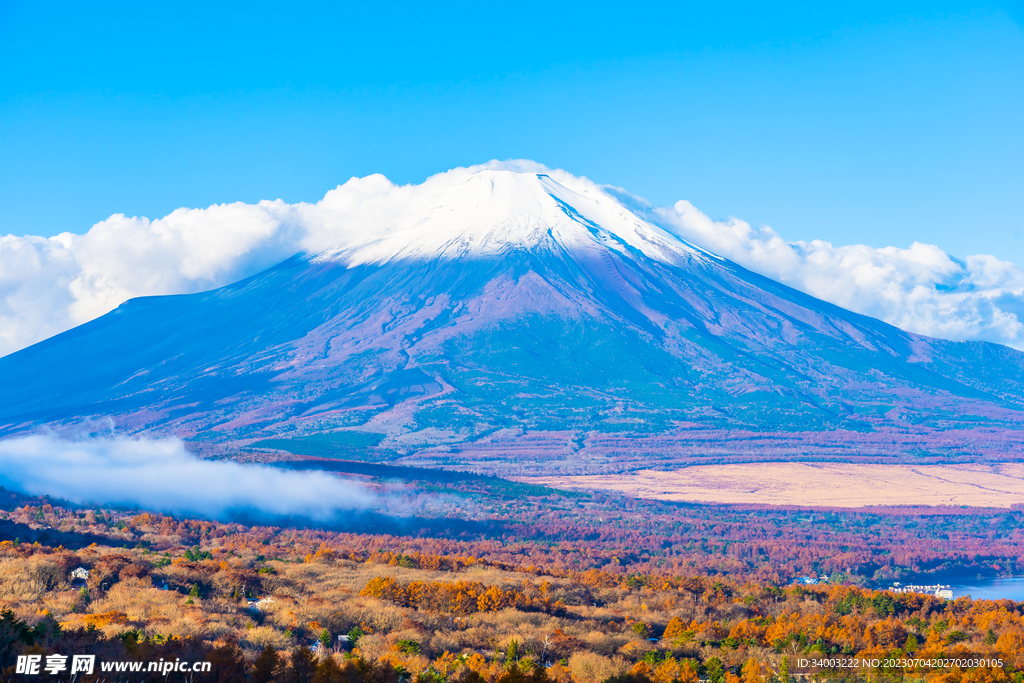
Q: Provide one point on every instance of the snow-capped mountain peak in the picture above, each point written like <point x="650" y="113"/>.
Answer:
<point x="482" y="212"/>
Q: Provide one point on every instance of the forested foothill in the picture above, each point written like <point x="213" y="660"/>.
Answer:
<point x="508" y="583"/>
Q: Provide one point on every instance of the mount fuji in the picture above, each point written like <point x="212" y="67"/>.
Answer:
<point x="517" y="323"/>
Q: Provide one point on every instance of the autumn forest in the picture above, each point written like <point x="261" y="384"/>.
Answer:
<point x="528" y="584"/>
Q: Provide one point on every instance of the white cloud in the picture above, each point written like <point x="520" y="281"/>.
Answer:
<point x="162" y="475"/>
<point x="35" y="278"/>
<point x="50" y="285"/>
<point x="185" y="251"/>
<point x="921" y="288"/>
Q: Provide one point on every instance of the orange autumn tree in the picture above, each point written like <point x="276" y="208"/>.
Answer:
<point x="674" y="629"/>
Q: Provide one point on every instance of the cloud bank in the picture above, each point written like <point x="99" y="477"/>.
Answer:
<point x="161" y="475"/>
<point x="920" y="289"/>
<point x="48" y="285"/>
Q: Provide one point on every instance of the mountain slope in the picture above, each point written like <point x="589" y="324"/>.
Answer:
<point x="513" y="322"/>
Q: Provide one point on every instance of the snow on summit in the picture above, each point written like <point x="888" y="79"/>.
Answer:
<point x="480" y="211"/>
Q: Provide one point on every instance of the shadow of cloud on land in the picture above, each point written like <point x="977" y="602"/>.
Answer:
<point x="72" y="540"/>
<point x="368" y="522"/>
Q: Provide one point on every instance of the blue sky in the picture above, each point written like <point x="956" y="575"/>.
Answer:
<point x="881" y="124"/>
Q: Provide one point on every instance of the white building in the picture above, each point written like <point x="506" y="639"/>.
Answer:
<point x="260" y="604"/>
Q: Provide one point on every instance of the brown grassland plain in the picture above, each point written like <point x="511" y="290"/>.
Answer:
<point x="816" y="484"/>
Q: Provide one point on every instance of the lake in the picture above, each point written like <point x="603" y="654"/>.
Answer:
<point x="1011" y="588"/>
